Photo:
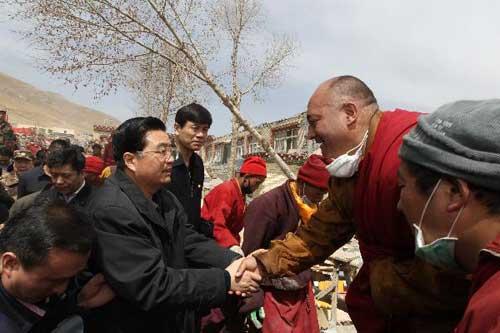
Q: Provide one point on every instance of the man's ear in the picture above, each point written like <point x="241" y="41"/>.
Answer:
<point x="9" y="263"/>
<point x="459" y="194"/>
<point x="351" y="113"/>
<point x="130" y="160"/>
<point x="46" y="170"/>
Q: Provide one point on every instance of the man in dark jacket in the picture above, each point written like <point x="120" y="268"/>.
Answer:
<point x="65" y="169"/>
<point x="192" y="123"/>
<point x="41" y="250"/>
<point x="160" y="268"/>
<point x="36" y="179"/>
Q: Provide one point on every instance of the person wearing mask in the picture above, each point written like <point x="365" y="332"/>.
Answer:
<point x="192" y="123"/>
<point x="363" y="141"/>
<point x="288" y="303"/>
<point x="450" y="194"/>
<point x="225" y="204"/>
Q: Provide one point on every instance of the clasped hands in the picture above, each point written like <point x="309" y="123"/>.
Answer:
<point x="246" y="274"/>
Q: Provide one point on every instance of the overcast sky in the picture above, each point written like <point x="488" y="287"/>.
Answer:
<point x="413" y="54"/>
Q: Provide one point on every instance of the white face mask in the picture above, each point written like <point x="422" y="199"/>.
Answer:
<point x="305" y="198"/>
<point x="441" y="252"/>
<point x="345" y="166"/>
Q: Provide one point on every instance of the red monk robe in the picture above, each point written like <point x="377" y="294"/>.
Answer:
<point x="382" y="230"/>
<point x="483" y="311"/>
<point x="224" y="206"/>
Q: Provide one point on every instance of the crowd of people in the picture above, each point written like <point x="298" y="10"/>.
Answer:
<point x="127" y="243"/>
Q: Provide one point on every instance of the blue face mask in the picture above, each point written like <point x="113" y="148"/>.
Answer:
<point x="440" y="252"/>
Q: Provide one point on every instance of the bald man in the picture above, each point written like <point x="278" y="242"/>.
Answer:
<point x="389" y="291"/>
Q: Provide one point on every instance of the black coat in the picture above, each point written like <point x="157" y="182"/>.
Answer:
<point x="32" y="181"/>
<point x="162" y="270"/>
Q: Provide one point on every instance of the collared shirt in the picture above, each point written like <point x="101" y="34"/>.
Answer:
<point x="187" y="186"/>
<point x="14" y="316"/>
<point x="69" y="197"/>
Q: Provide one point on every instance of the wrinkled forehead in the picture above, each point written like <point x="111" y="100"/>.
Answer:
<point x="64" y="169"/>
<point x="156" y="139"/>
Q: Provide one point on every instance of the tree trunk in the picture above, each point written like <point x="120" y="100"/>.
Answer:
<point x="235" y="125"/>
<point x="243" y="122"/>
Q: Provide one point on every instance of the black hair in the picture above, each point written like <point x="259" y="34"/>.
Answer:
<point x="58" y="144"/>
<point x="71" y="155"/>
<point x="96" y="145"/>
<point x="130" y="136"/>
<point x="4" y="151"/>
<point x="33" y="232"/>
<point x="40" y="157"/>
<point x="79" y="148"/>
<point x="351" y="86"/>
<point x="195" y="113"/>
<point x="426" y="179"/>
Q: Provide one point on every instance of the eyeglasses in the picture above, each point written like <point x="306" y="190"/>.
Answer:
<point x="163" y="152"/>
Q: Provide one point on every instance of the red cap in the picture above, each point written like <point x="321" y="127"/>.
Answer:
<point x="254" y="165"/>
<point x="93" y="164"/>
<point x="314" y="172"/>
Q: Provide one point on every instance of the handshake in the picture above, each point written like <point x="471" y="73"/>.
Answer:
<point x="246" y="275"/>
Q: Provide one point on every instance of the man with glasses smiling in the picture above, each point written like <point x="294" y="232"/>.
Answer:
<point x="192" y="123"/>
<point x="162" y="271"/>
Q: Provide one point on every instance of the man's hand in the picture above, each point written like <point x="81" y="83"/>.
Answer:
<point x="250" y="264"/>
<point x="247" y="282"/>
<point x="96" y="292"/>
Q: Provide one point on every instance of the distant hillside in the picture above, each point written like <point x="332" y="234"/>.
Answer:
<point x="28" y="105"/>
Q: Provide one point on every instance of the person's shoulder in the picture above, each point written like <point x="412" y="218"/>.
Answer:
<point x="197" y="158"/>
<point x="169" y="198"/>
<point x="36" y="171"/>
<point x="482" y="311"/>
<point x="225" y="186"/>
<point x="109" y="194"/>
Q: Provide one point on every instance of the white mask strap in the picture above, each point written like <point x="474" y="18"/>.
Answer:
<point x="428" y="202"/>
<point x="455" y="221"/>
<point x="363" y="141"/>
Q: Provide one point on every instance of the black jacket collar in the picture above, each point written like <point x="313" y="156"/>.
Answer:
<point x="144" y="205"/>
<point x="17" y="313"/>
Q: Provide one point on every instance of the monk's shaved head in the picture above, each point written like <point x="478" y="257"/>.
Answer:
<point x="339" y="114"/>
<point x="347" y="88"/>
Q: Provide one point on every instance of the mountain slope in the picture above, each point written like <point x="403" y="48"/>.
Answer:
<point x="28" y="105"/>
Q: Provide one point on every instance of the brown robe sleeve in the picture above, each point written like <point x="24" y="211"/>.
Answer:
<point x="330" y="228"/>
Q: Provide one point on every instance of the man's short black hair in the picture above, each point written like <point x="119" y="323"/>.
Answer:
<point x="130" y="136"/>
<point x="71" y="155"/>
<point x="33" y="232"/>
<point x="195" y="113"/>
<point x="96" y="145"/>
<point x="4" y="151"/>
<point x="58" y="144"/>
<point x="40" y="157"/>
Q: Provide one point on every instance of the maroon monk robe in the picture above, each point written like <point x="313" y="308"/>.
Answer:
<point x="483" y="311"/>
<point x="382" y="230"/>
